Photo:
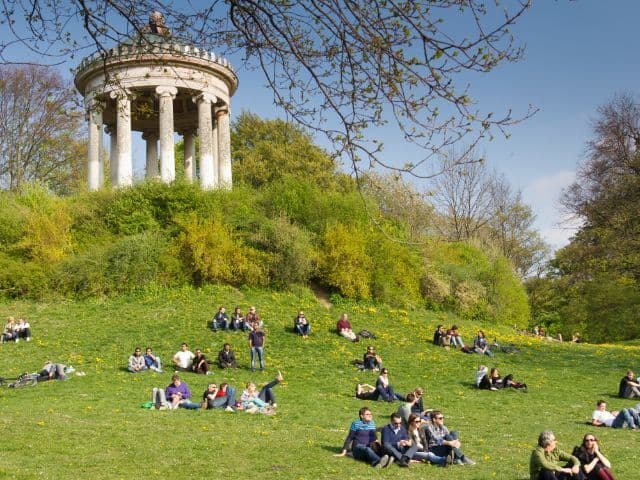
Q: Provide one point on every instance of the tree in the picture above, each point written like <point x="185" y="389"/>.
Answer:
<point x="339" y="68"/>
<point x="597" y="275"/>
<point x="478" y="203"/>
<point x="38" y="129"/>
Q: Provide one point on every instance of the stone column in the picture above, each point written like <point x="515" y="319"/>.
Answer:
<point x="167" y="157"/>
<point x="214" y="148"/>
<point x="124" y="173"/>
<point x="94" y="168"/>
<point x="189" y="155"/>
<point x="205" y="101"/>
<point x="151" y="139"/>
<point x="113" y="154"/>
<point x="224" y="146"/>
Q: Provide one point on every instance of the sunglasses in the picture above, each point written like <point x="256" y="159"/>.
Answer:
<point x="440" y="418"/>
<point x="590" y="440"/>
<point x="417" y="421"/>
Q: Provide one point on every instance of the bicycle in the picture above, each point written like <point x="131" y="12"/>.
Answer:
<point x="24" y="380"/>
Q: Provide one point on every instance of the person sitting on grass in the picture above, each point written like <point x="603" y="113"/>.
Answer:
<point x="550" y="463"/>
<point x="238" y="321"/>
<point x="418" y="405"/>
<point x="183" y="359"/>
<point x="495" y="382"/>
<point x="52" y="371"/>
<point x="405" y="410"/>
<point x="152" y="361"/>
<point x="627" y="417"/>
<point x="363" y="443"/>
<point x="226" y="357"/>
<point x="23" y="330"/>
<point x="136" y="362"/>
<point x="482" y="378"/>
<point x="396" y="442"/>
<point x="418" y="439"/>
<point x="223" y="397"/>
<point x="382" y="391"/>
<point x="265" y="400"/>
<point x="253" y="318"/>
<point x="455" y="337"/>
<point x="443" y="443"/>
<point x="441" y="338"/>
<point x="371" y="360"/>
<point x="9" y="333"/>
<point x="200" y="363"/>
<point x="178" y="395"/>
<point x="629" y="386"/>
<point x="220" y="320"/>
<point x="301" y="325"/>
<point x="594" y="464"/>
<point x="344" y="328"/>
<point x="481" y="345"/>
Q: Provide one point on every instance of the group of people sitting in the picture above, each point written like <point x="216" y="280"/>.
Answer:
<point x="237" y="322"/>
<point x="414" y="437"/>
<point x="184" y="360"/>
<point x="177" y="395"/>
<point x="587" y="462"/>
<point x="492" y="380"/>
<point x="451" y="338"/>
<point x="15" y="330"/>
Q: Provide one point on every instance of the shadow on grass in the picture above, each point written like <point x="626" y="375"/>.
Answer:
<point x="331" y="448"/>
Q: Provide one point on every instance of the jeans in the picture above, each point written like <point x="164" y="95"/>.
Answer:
<point x="158" y="397"/>
<point x="430" y="457"/>
<point x="142" y="369"/>
<point x="444" y="450"/>
<point x="456" y="341"/>
<point x="400" y="452"/>
<point x="626" y="416"/>
<point x="229" y="400"/>
<point x="188" y="404"/>
<point x="220" y="324"/>
<point x="303" y="329"/>
<point x="388" y="395"/>
<point x="364" y="453"/>
<point x="259" y="351"/>
<point x="156" y="365"/>
<point x="266" y="393"/>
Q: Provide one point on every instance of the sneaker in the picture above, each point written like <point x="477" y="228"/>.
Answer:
<point x="390" y="462"/>
<point x="279" y="377"/>
<point x="448" y="460"/>
<point x="383" y="462"/>
<point x="209" y="372"/>
<point x="28" y="339"/>
<point x="229" y="409"/>
<point x="274" y="405"/>
<point x="467" y="461"/>
<point x="403" y="462"/>
<point x="458" y="461"/>
<point x="17" y="340"/>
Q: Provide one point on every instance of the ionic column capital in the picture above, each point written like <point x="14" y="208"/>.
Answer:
<point x="120" y="93"/>
<point x="205" y="97"/>
<point x="221" y="110"/>
<point x="166" y="91"/>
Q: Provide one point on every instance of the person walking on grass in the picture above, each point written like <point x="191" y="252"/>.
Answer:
<point x="257" y="340"/>
<point x="363" y="443"/>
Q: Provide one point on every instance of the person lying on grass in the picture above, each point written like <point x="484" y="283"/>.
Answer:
<point x="223" y="397"/>
<point x="383" y="389"/>
<point x="627" y="417"/>
<point x="493" y="381"/>
<point x="264" y="401"/>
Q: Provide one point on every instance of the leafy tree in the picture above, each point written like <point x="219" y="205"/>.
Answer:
<point x="39" y="129"/>
<point x="597" y="276"/>
<point x="266" y="150"/>
<point x="353" y="64"/>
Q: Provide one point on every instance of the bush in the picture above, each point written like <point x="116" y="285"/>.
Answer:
<point x="211" y="254"/>
<point x="344" y="262"/>
<point x="19" y="278"/>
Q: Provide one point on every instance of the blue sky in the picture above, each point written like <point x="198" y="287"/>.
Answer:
<point x="578" y="55"/>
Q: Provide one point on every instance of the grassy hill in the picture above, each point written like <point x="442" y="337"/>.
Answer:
<point x="93" y="426"/>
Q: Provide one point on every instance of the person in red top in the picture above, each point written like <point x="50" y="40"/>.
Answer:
<point x="344" y="328"/>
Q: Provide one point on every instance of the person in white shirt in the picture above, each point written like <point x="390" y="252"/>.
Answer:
<point x="624" y="418"/>
<point x="183" y="359"/>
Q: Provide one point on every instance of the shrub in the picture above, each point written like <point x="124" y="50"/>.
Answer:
<point x="344" y="262"/>
<point x="211" y="253"/>
<point x="19" y="278"/>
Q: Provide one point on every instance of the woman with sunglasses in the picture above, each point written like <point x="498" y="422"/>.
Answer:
<point x="419" y="439"/>
<point x="592" y="462"/>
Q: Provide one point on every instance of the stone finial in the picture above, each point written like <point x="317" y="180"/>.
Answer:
<point x="156" y="25"/>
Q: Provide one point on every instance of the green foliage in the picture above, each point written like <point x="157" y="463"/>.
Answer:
<point x="22" y="279"/>
<point x="344" y="261"/>
<point x="265" y="150"/>
<point x="211" y="253"/>
<point x="510" y="305"/>
<point x="293" y="256"/>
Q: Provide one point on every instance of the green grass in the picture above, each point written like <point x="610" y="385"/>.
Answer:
<point x="93" y="426"/>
